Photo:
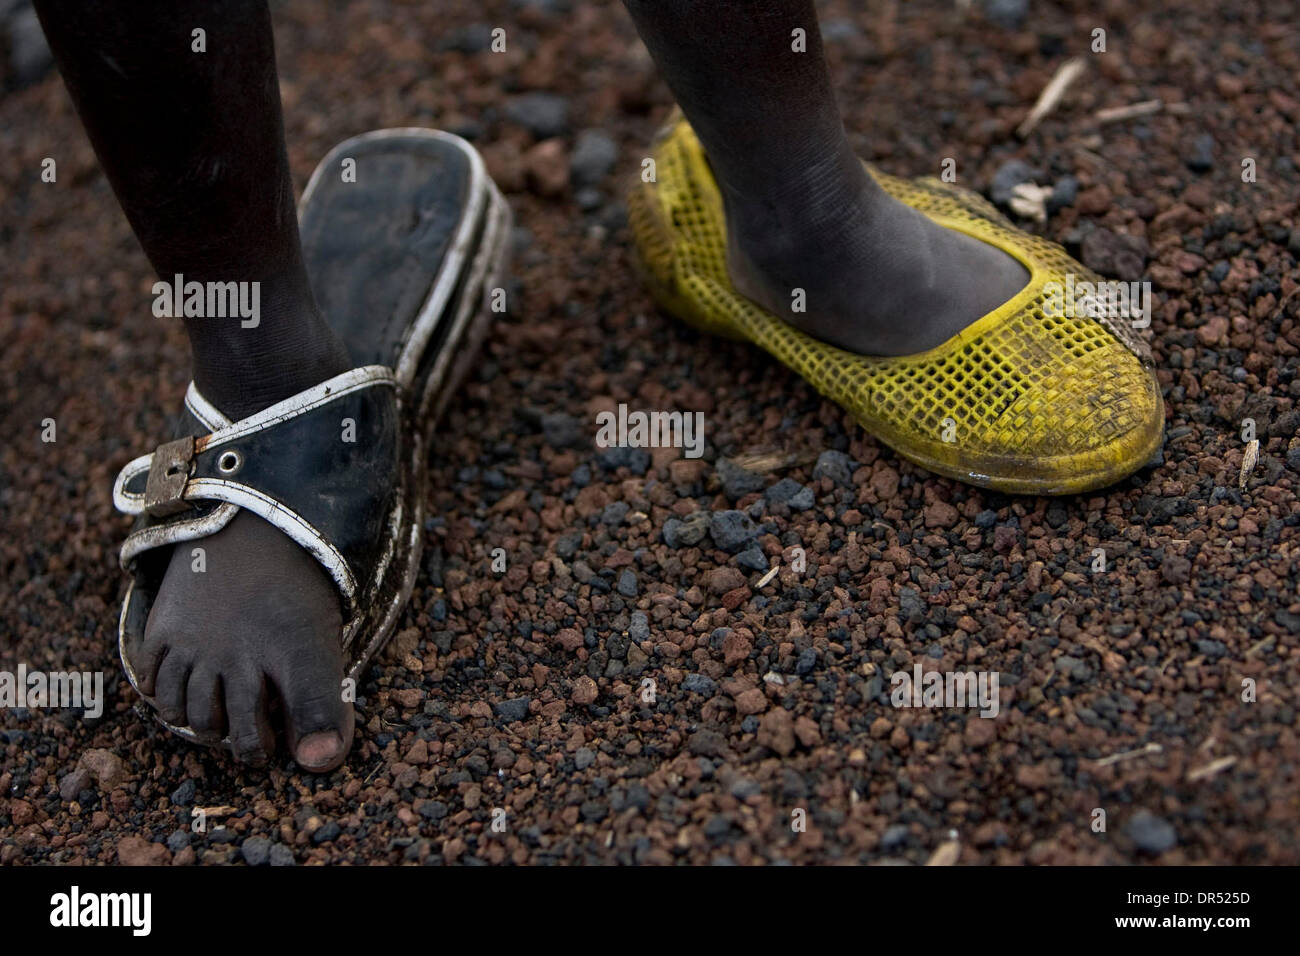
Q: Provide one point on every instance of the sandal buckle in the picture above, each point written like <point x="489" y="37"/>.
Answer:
<point x="169" y="473"/>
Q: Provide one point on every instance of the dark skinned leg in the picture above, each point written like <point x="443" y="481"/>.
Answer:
<point x="801" y="211"/>
<point x="193" y="144"/>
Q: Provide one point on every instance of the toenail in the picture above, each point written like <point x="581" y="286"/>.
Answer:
<point x="318" y="748"/>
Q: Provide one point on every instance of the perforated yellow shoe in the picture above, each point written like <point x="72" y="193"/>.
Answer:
<point x="1020" y="401"/>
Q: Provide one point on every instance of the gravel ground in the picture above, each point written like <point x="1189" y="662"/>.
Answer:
<point x="1121" y="690"/>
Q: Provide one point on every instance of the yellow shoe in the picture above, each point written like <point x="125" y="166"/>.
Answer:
<point x="1019" y="401"/>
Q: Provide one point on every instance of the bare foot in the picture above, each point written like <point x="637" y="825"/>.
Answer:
<point x="256" y="632"/>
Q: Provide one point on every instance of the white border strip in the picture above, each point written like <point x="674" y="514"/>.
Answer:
<point x="158" y="535"/>
<point x="295" y="405"/>
<point x="476" y="292"/>
<point x="208" y="414"/>
<point x="127" y="502"/>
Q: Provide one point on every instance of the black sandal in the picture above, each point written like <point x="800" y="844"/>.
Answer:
<point x="405" y="257"/>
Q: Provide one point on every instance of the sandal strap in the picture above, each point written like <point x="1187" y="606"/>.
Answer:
<point x="321" y="466"/>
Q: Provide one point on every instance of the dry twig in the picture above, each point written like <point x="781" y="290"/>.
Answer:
<point x="1066" y="73"/>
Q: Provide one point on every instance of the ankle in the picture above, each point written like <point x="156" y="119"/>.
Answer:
<point x="243" y="371"/>
<point x="783" y="241"/>
<point x="820" y="210"/>
<point x="240" y="391"/>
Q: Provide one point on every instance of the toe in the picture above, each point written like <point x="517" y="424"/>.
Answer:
<point x="205" y="703"/>
<point x="247" y="712"/>
<point x="169" y="692"/>
<point x="148" y="655"/>
<point x="318" y="721"/>
<point x="321" y="751"/>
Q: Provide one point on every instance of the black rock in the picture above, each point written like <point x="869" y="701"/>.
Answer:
<point x="1073" y="667"/>
<point x="566" y="545"/>
<point x="686" y="532"/>
<point x="635" y="460"/>
<point x="1288" y="620"/>
<point x="1010" y="175"/>
<point x="326" y="833"/>
<point x="627" y="583"/>
<point x="547" y="8"/>
<point x="256" y="851"/>
<point x="588" y="199"/>
<point x="839" y="29"/>
<point x="783" y="491"/>
<point x="512" y="710"/>
<point x="736" y="481"/>
<point x="719" y="826"/>
<point x="1152" y="834"/>
<point x="893" y="837"/>
<point x="910" y="605"/>
<point x="542" y="114"/>
<point x="699" y="684"/>
<point x="752" y="559"/>
<point x="584" y="758"/>
<point x="1162" y="510"/>
<point x="183" y="795"/>
<point x="433" y="810"/>
<point x="638" y="796"/>
<point x="471" y="38"/>
<point x="1009" y="14"/>
<point x="178" y="840"/>
<point x="1264" y="285"/>
<point x="836" y="466"/>
<point x="1115" y="254"/>
<point x="1064" y="192"/>
<point x="614" y="513"/>
<point x="732" y="531"/>
<point x="1212" y="649"/>
<point x="1201" y="157"/>
<point x="281" y="855"/>
<point x="789" y="492"/>
<point x="594" y="155"/>
<point x="561" y="430"/>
